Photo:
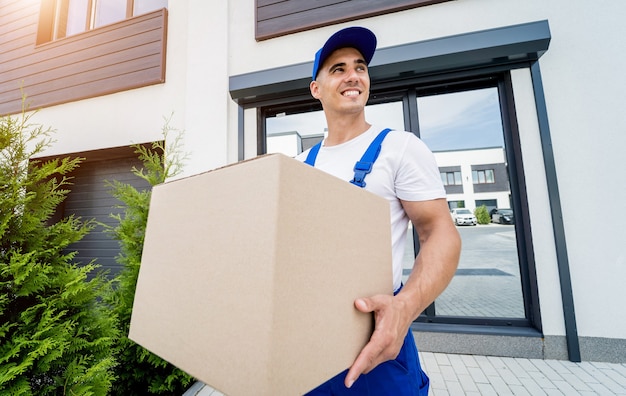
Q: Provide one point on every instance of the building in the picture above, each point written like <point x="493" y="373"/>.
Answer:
<point x="473" y="178"/>
<point x="222" y="70"/>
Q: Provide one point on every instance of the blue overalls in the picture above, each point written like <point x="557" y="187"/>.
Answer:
<point x="402" y="376"/>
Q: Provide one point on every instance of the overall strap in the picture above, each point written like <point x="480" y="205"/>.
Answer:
<point x="362" y="167"/>
<point x="310" y="158"/>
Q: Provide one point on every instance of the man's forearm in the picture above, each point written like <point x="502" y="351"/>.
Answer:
<point x="433" y="269"/>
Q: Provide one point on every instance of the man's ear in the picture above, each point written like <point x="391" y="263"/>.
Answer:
<point x="315" y="90"/>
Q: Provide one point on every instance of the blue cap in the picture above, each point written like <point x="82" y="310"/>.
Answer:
<point x="355" y="37"/>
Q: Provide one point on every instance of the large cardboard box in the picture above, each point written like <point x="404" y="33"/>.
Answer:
<point x="249" y="274"/>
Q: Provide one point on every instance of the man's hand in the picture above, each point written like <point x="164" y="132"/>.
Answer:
<point x="434" y="267"/>
<point x="390" y="330"/>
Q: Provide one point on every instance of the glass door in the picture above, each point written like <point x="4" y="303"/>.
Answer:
<point x="465" y="131"/>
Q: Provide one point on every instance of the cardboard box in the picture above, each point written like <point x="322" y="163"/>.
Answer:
<point x="249" y="275"/>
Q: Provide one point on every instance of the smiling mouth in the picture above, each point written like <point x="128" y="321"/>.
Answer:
<point x="351" y="93"/>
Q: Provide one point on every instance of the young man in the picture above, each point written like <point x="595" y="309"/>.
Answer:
<point x="405" y="173"/>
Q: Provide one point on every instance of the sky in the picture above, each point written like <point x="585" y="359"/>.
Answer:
<point x="462" y="120"/>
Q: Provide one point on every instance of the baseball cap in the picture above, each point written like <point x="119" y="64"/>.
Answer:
<point x="355" y="37"/>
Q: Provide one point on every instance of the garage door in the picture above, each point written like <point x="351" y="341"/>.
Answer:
<point x="90" y="197"/>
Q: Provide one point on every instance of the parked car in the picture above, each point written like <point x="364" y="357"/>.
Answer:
<point x="502" y="216"/>
<point x="462" y="216"/>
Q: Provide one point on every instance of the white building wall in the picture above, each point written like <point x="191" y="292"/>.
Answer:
<point x="539" y="206"/>
<point x="583" y="79"/>
<point x="288" y="143"/>
<point x="465" y="159"/>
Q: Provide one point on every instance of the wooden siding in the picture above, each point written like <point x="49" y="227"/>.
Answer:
<point x="121" y="56"/>
<point x="279" y="17"/>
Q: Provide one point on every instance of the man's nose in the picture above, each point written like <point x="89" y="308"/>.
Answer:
<point x="352" y="75"/>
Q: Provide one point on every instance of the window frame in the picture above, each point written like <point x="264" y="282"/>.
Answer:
<point x="407" y="91"/>
<point x="446" y="181"/>
<point x="478" y="172"/>
<point x="53" y="19"/>
<point x="501" y="79"/>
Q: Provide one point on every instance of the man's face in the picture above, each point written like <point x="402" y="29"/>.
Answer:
<point x="343" y="82"/>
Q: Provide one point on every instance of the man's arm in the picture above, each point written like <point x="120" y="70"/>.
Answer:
<point x="434" y="267"/>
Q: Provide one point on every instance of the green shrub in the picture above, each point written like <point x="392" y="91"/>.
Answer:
<point x="55" y="332"/>
<point x="141" y="372"/>
<point x="482" y="215"/>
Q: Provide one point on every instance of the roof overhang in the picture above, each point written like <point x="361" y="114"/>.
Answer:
<point x="509" y="45"/>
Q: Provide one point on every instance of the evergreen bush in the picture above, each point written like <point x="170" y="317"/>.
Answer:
<point x="482" y="215"/>
<point x="140" y="372"/>
<point x="55" y="332"/>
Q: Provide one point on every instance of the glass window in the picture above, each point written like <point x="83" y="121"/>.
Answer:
<point x="77" y="17"/>
<point x="467" y="125"/>
<point x="293" y="133"/>
<point x="109" y="11"/>
<point x="144" y="6"/>
<point x="478" y="177"/>
<point x="489" y="178"/>
<point x="71" y="17"/>
<point x="451" y="178"/>
<point x="461" y="120"/>
<point x="483" y="176"/>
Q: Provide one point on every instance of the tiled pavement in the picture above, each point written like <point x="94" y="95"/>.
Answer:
<point x="488" y="375"/>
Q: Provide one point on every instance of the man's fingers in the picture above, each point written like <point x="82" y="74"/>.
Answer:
<point x="362" y="305"/>
<point x="371" y="304"/>
<point x="362" y="365"/>
<point x="377" y="349"/>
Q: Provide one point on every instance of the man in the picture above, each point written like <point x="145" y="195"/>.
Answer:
<point x="405" y="173"/>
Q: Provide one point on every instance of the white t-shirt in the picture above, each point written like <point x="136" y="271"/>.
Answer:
<point x="405" y="169"/>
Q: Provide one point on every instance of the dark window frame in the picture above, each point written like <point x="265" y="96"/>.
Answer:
<point x="502" y="80"/>
<point x="406" y="91"/>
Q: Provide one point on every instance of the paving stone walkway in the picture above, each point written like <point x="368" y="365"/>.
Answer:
<point x="474" y="375"/>
<point x="489" y="375"/>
